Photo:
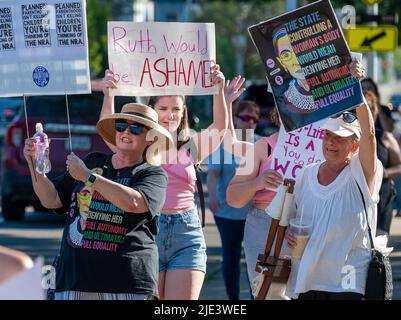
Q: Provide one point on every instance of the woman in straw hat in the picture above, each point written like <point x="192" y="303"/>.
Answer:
<point x="181" y="243"/>
<point x="108" y="250"/>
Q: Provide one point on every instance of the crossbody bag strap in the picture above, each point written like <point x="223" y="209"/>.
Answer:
<point x="201" y="194"/>
<point x="366" y="214"/>
<point x="199" y="185"/>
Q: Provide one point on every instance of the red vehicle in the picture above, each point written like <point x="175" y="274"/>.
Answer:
<point x="17" y="191"/>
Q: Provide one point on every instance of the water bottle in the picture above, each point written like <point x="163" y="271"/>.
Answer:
<point x="42" y="164"/>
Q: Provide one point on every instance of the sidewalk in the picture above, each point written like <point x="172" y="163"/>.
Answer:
<point x="213" y="288"/>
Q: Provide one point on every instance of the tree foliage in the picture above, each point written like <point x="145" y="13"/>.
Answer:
<point x="232" y="19"/>
<point x="98" y="12"/>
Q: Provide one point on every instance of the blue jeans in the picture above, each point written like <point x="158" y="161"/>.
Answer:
<point x="181" y="242"/>
<point x="231" y="234"/>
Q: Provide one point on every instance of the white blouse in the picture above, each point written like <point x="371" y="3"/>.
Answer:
<point x="337" y="254"/>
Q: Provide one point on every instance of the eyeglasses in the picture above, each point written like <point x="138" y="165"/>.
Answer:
<point x="286" y="55"/>
<point x="135" y="128"/>
<point x="248" y="118"/>
<point x="348" y="117"/>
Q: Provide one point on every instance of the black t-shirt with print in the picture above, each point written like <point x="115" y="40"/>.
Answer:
<point x="105" y="249"/>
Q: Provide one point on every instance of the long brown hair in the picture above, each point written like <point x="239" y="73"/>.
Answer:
<point x="373" y="103"/>
<point x="183" y="128"/>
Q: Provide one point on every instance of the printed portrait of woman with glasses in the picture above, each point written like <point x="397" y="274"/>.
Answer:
<point x="296" y="96"/>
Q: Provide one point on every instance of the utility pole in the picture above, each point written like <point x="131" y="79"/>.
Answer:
<point x="372" y="56"/>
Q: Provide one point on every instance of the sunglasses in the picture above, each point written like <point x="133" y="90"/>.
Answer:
<point x="348" y="117"/>
<point x="248" y="118"/>
<point x="135" y="128"/>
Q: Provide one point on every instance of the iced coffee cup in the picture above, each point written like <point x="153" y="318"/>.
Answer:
<point x="301" y="231"/>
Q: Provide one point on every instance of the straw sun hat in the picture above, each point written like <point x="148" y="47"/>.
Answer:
<point x="135" y="112"/>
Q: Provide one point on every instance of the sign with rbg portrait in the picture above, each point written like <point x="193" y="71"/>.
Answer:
<point x="307" y="63"/>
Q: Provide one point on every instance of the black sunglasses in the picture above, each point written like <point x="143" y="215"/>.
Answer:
<point x="135" y="128"/>
<point x="348" y="117"/>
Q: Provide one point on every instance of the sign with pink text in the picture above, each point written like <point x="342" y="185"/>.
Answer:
<point x="162" y="58"/>
<point x="43" y="47"/>
<point x="297" y="149"/>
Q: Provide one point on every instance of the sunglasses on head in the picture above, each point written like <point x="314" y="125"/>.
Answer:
<point x="348" y="117"/>
<point x="135" y="128"/>
<point x="248" y="118"/>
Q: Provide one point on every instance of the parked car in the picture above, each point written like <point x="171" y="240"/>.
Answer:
<point x="9" y="108"/>
<point x="84" y="110"/>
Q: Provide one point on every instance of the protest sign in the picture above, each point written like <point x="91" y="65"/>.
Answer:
<point x="307" y="62"/>
<point x="43" y="47"/>
<point x="162" y="58"/>
<point x="297" y="149"/>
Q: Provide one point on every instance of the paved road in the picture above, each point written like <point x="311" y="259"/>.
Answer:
<point x="214" y="285"/>
<point x="40" y="235"/>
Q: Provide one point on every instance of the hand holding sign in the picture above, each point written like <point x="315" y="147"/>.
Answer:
<point x="218" y="77"/>
<point x="357" y="70"/>
<point x="270" y="179"/>
<point x="108" y="82"/>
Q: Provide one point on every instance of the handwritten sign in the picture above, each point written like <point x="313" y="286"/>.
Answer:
<point x="307" y="63"/>
<point x="162" y="58"/>
<point x="297" y="149"/>
<point x="43" y="47"/>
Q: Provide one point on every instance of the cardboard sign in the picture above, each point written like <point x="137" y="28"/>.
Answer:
<point x="297" y="149"/>
<point x="162" y="58"/>
<point x="307" y="63"/>
<point x="43" y="47"/>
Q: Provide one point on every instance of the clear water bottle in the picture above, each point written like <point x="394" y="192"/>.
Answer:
<point x="42" y="164"/>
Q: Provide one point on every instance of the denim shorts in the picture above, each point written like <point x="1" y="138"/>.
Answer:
<point x="181" y="242"/>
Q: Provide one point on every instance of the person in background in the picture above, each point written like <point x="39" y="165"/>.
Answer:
<point x="384" y="118"/>
<point x="251" y="184"/>
<point x="181" y="243"/>
<point x="221" y="169"/>
<point x="388" y="152"/>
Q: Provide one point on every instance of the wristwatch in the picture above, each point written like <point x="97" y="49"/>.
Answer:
<point x="90" y="179"/>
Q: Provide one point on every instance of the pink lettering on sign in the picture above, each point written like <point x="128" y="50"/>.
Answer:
<point x="176" y="72"/>
<point x="121" y="42"/>
<point x="122" y="78"/>
<point x="283" y="168"/>
<point x="186" y="46"/>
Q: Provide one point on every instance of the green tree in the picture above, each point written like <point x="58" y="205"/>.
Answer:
<point x="98" y="12"/>
<point x="397" y="62"/>
<point x="232" y="19"/>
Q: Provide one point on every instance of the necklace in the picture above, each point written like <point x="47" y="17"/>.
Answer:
<point x="299" y="100"/>
<point x="120" y="170"/>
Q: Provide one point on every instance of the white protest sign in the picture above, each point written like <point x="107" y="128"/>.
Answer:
<point x="297" y="149"/>
<point x="43" y="47"/>
<point x="26" y="285"/>
<point x="162" y="58"/>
